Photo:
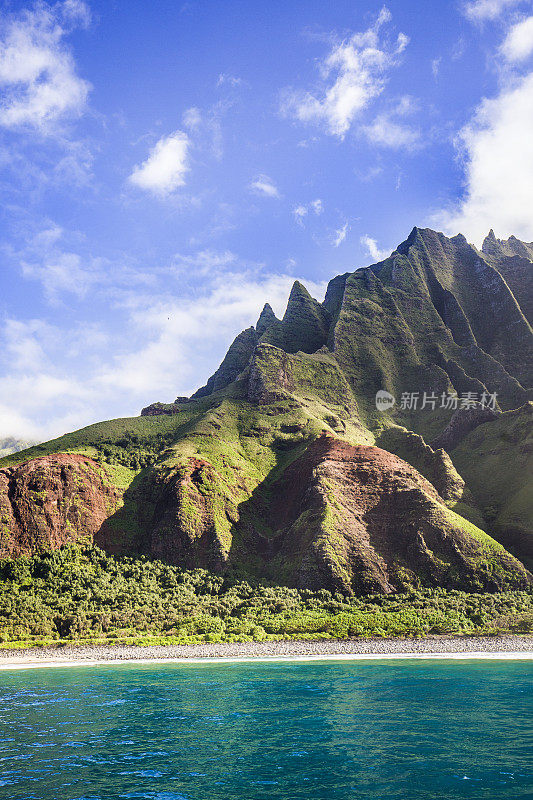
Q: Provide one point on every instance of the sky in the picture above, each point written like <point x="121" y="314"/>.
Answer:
<point x="168" y="167"/>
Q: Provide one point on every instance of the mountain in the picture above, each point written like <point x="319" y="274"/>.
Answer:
<point x="283" y="468"/>
<point x="10" y="445"/>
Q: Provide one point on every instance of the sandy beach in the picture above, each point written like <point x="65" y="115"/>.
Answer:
<point x="519" y="647"/>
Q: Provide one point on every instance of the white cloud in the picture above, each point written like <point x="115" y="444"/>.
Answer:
<point x="301" y="211"/>
<point x="42" y="401"/>
<point x="370" y="173"/>
<point x="353" y="74"/>
<point x="17" y="425"/>
<point x="61" y="272"/>
<point x="188" y="336"/>
<point x="75" y="167"/>
<point x="75" y="11"/>
<point x="480" y="10"/>
<point x="204" y="263"/>
<point x="44" y="406"/>
<point x="192" y="118"/>
<point x="497" y="146"/>
<point x="340" y="235"/>
<point x="229" y="80"/>
<point x="38" y="76"/>
<point x="205" y="126"/>
<point x="387" y="131"/>
<point x="373" y="250"/>
<point x="435" y="66"/>
<point x="165" y="168"/>
<point x="164" y="345"/>
<point x="48" y="257"/>
<point x="518" y="44"/>
<point x="24" y="343"/>
<point x="265" y="186"/>
<point x="44" y="258"/>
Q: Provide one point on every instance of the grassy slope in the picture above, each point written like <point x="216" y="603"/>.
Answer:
<point x="131" y="442"/>
<point x="385" y="338"/>
<point x="255" y="446"/>
<point x="496" y="459"/>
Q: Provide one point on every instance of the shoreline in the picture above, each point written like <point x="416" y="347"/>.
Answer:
<point x="468" y="647"/>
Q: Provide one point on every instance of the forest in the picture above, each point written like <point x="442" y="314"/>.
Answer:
<point x="81" y="595"/>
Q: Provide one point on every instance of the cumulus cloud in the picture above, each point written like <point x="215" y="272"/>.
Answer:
<point x="481" y="10"/>
<point x="371" y="245"/>
<point x="518" y="44"/>
<point x="497" y="148"/>
<point x="265" y="186"/>
<point x="38" y="78"/>
<point x="352" y="75"/>
<point x="166" y="166"/>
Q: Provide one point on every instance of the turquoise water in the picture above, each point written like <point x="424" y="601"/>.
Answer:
<point x="289" y="730"/>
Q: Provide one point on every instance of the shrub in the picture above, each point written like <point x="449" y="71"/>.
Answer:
<point x="81" y="594"/>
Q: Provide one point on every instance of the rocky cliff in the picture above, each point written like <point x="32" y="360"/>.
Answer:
<point x="47" y="502"/>
<point x="282" y="467"/>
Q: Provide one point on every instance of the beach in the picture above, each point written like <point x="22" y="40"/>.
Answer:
<point x="519" y="647"/>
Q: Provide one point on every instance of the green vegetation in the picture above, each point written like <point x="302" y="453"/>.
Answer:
<point x="496" y="459"/>
<point x="82" y="596"/>
<point x="129" y="441"/>
<point x="208" y="482"/>
<point x="304" y="326"/>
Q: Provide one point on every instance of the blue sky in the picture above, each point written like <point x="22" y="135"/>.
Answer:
<point x="168" y="167"/>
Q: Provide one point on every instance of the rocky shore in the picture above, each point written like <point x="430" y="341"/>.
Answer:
<point x="434" y="647"/>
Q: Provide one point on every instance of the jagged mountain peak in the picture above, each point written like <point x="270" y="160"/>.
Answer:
<point x="301" y="297"/>
<point x="437" y="319"/>
<point x="266" y="319"/>
<point x="429" y="237"/>
<point x="404" y="246"/>
<point x="436" y="265"/>
<point x="461" y="239"/>
<point x="298" y="290"/>
<point x="506" y="248"/>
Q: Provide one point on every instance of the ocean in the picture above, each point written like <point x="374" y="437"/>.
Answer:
<point x="376" y="730"/>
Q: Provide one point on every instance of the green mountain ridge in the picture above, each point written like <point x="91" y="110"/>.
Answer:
<point x="281" y="468"/>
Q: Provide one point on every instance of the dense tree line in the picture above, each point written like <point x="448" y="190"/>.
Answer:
<point x="83" y="595"/>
